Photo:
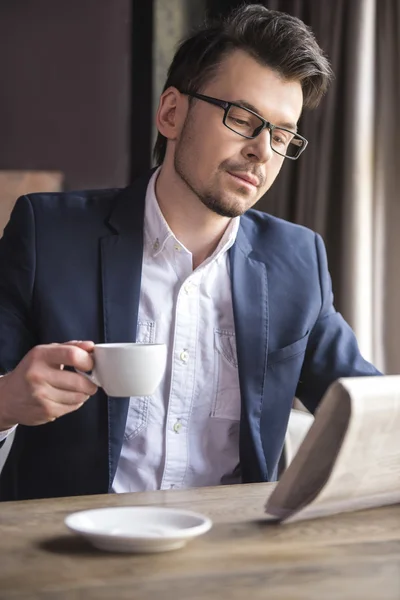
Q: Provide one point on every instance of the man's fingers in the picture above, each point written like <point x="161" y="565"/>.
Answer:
<point x="64" y="354"/>
<point x="51" y="412"/>
<point x="69" y="409"/>
<point x="67" y="401"/>
<point x="55" y="402"/>
<point x="71" y="382"/>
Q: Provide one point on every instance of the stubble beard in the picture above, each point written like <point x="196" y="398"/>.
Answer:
<point x="207" y="197"/>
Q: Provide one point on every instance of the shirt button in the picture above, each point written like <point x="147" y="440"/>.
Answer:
<point x="177" y="427"/>
<point x="156" y="244"/>
<point x="184" y="356"/>
<point x="188" y="287"/>
<point x="177" y="248"/>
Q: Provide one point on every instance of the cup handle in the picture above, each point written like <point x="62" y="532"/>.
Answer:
<point x="91" y="376"/>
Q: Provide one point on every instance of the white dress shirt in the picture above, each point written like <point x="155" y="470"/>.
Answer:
<point x="187" y="433"/>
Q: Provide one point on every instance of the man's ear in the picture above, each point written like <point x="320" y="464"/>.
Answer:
<point x="171" y="113"/>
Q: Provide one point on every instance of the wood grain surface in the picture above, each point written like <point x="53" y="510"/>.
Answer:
<point x="349" y="556"/>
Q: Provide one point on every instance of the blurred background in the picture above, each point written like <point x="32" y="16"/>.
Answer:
<point x="80" y="83"/>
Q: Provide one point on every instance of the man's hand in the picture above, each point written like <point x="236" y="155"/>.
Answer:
<point x="39" y="390"/>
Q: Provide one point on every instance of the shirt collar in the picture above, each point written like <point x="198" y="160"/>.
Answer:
<point x="157" y="231"/>
<point x="156" y="228"/>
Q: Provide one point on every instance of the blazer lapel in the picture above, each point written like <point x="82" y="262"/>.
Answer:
<point x="121" y="266"/>
<point x="250" y="307"/>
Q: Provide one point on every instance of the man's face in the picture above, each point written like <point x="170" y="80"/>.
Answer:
<point x="213" y="161"/>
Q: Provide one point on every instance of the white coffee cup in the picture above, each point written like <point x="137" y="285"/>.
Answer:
<point x="128" y="369"/>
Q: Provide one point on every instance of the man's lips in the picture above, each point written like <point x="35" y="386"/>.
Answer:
<point x="246" y="177"/>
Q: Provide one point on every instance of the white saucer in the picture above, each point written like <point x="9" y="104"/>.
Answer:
<point x="138" y="528"/>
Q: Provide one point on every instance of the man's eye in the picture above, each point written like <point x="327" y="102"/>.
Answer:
<point x="278" y="139"/>
<point x="241" y="122"/>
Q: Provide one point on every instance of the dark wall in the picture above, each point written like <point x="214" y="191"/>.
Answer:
<point x="65" y="69"/>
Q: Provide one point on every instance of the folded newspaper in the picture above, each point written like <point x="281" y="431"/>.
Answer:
<point x="350" y="458"/>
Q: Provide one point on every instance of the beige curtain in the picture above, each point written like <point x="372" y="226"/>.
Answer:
<point x="372" y="187"/>
<point x="387" y="186"/>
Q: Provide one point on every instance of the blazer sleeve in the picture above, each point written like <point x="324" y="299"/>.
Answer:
<point x="17" y="277"/>
<point x="332" y="349"/>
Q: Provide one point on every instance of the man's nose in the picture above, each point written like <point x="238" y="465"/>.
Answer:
<point x="259" y="149"/>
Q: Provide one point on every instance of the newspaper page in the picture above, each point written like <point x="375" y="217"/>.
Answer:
<point x="350" y="459"/>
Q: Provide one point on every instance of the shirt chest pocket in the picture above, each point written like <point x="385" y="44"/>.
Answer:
<point x="138" y="411"/>
<point x="226" y="403"/>
<point x="146" y="332"/>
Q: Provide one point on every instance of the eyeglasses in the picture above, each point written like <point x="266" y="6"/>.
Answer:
<point x="249" y="124"/>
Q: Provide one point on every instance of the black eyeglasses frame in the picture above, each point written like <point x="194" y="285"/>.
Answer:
<point x="225" y="105"/>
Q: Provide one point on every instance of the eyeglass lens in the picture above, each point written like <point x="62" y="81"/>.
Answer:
<point x="245" y="123"/>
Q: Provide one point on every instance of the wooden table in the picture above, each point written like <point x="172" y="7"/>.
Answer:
<point x="354" y="556"/>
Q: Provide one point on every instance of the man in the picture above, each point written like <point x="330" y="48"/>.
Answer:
<point x="243" y="300"/>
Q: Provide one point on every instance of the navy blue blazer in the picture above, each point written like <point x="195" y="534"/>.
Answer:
<point x="70" y="268"/>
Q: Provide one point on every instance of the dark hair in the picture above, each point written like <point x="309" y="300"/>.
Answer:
<point x="273" y="38"/>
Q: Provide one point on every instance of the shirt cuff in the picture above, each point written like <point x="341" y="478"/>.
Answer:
<point x="4" y="434"/>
